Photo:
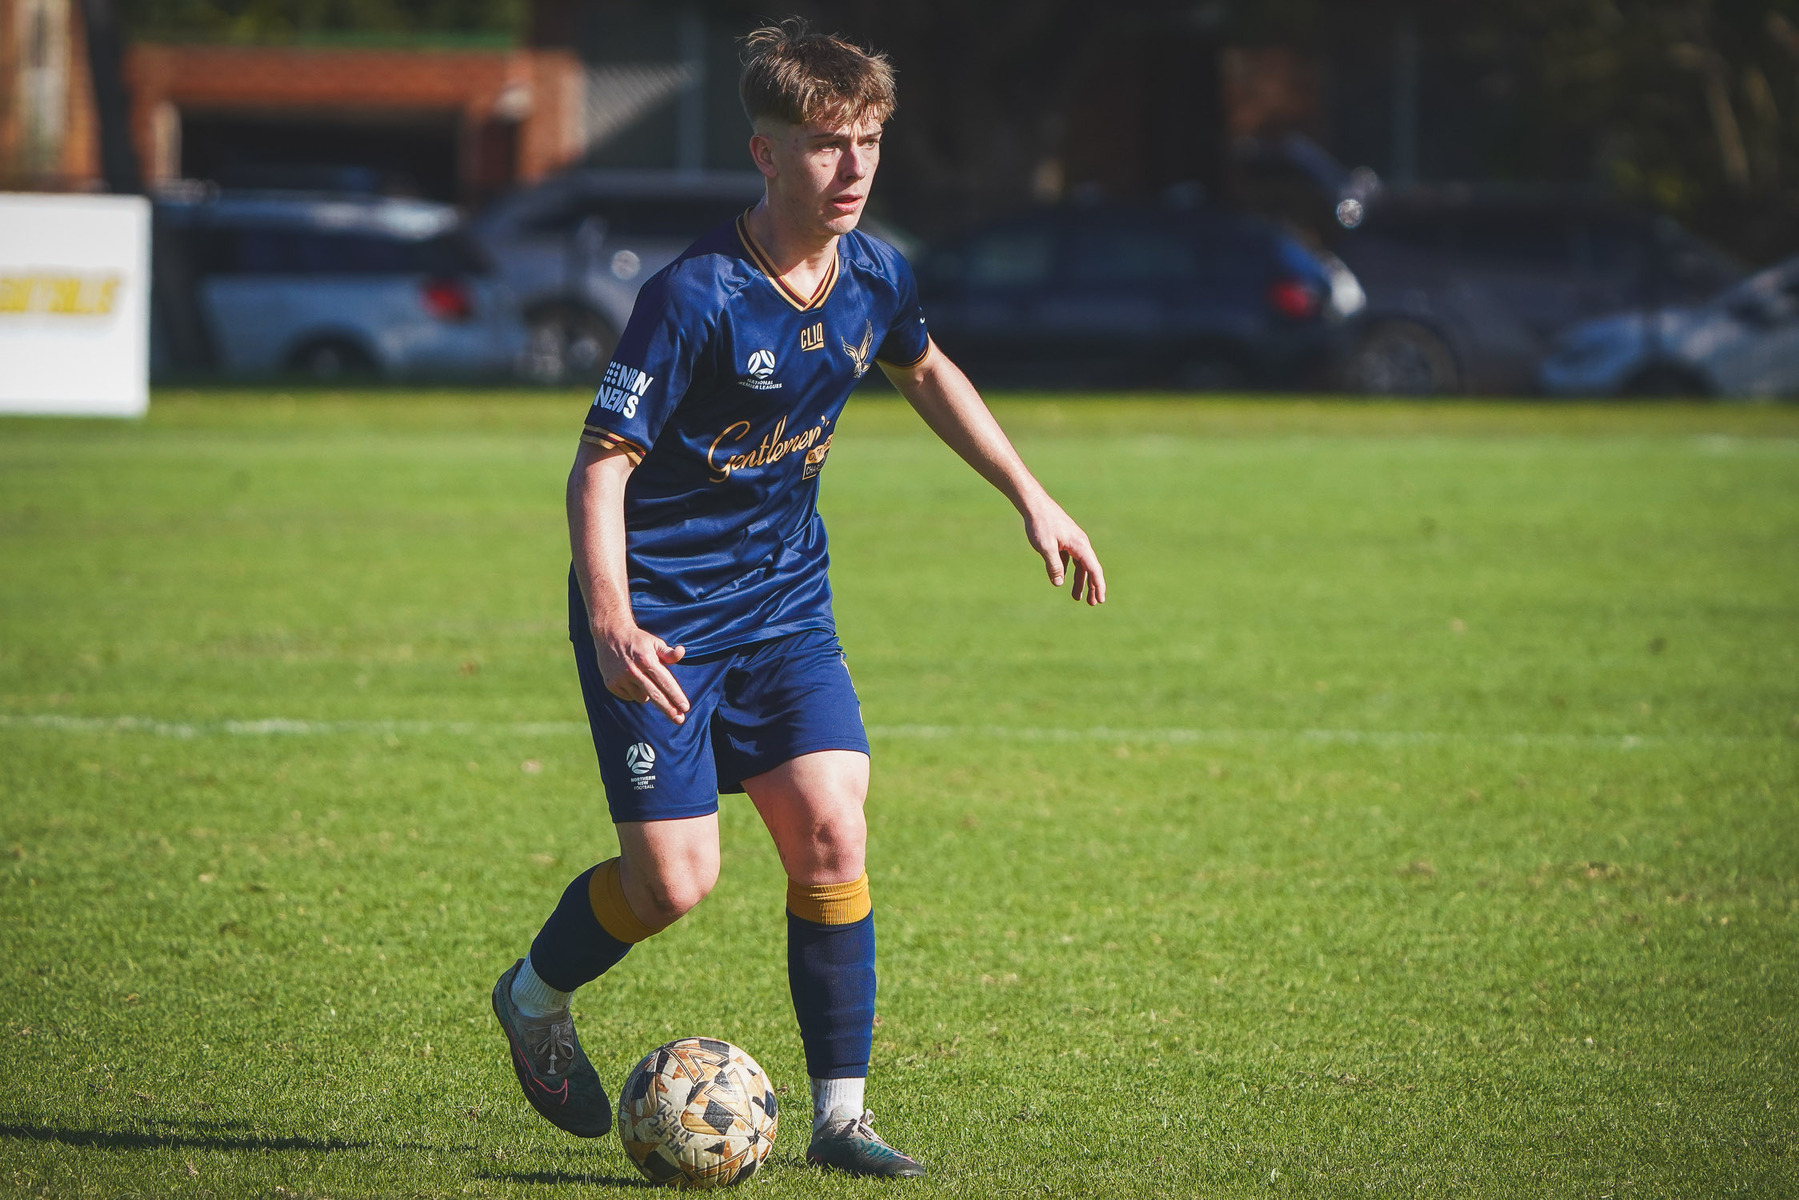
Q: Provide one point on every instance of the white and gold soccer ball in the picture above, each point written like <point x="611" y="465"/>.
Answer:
<point x="697" y="1113"/>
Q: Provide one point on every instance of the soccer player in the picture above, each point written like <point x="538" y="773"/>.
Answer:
<point x="699" y="605"/>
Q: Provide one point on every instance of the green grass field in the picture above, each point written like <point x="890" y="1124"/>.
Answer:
<point x="1421" y="816"/>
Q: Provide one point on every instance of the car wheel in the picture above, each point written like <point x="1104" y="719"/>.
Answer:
<point x="1667" y="380"/>
<point x="1400" y="358"/>
<point x="331" y="360"/>
<point x="568" y="344"/>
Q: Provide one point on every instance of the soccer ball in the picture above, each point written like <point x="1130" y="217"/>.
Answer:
<point x="697" y="1113"/>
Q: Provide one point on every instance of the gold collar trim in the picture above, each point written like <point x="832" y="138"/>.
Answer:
<point x="767" y="267"/>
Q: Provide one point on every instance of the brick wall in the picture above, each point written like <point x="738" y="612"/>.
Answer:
<point x="72" y="163"/>
<point x="520" y="104"/>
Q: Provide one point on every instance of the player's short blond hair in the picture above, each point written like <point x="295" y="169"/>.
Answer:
<point x="798" y="76"/>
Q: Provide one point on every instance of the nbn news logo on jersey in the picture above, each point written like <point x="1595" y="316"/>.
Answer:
<point x="622" y="388"/>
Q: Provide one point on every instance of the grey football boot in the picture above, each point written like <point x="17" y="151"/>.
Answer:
<point x="850" y="1144"/>
<point x="552" y="1069"/>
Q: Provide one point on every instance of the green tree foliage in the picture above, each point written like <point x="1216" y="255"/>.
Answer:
<point x="288" y="20"/>
<point x="1692" y="105"/>
<point x="1689" y="105"/>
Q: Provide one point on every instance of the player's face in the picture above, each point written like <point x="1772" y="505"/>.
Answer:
<point x="819" y="173"/>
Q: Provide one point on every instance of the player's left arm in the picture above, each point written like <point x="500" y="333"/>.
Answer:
<point x="949" y="404"/>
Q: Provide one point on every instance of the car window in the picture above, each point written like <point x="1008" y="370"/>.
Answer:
<point x="277" y="250"/>
<point x="452" y="253"/>
<point x="1120" y="254"/>
<point x="1008" y="258"/>
<point x="1615" y="247"/>
<point x="1517" y="239"/>
<point x="1238" y="254"/>
<point x="682" y="217"/>
<point x="1692" y="262"/>
<point x="1426" y="231"/>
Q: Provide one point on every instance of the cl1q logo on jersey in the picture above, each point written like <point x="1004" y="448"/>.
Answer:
<point x="640" y="760"/>
<point x="760" y="371"/>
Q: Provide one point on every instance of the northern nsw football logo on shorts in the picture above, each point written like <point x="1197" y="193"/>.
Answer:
<point x="640" y="760"/>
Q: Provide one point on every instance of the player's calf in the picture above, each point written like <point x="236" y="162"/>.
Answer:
<point x="590" y="931"/>
<point x="831" y="970"/>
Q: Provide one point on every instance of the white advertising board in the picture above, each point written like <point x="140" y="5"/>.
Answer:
<point x="74" y="304"/>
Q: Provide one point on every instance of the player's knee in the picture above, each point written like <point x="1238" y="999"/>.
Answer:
<point x="671" y="895"/>
<point x="670" y="902"/>
<point x="835" y="849"/>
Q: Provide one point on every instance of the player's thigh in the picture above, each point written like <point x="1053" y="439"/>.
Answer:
<point x="653" y="769"/>
<point x="813" y="808"/>
<point x="669" y="866"/>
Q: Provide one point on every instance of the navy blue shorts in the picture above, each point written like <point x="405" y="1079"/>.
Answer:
<point x="753" y="708"/>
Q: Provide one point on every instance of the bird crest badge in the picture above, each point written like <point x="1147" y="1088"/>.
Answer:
<point x="859" y="354"/>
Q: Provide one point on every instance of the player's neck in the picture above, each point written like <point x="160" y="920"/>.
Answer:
<point x="800" y="256"/>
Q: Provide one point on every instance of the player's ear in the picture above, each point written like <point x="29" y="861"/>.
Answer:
<point x="762" y="153"/>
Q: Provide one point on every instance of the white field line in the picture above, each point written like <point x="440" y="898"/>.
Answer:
<point x="280" y="726"/>
<point x="289" y="727"/>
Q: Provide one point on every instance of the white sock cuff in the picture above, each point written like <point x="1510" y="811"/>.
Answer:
<point x="836" y="1096"/>
<point x="533" y="997"/>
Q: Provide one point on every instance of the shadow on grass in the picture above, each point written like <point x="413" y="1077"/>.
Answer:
<point x="598" y="1180"/>
<point x="208" y="1136"/>
<point x="566" y="1177"/>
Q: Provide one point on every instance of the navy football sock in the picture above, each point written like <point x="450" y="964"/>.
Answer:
<point x="573" y="948"/>
<point x="831" y="970"/>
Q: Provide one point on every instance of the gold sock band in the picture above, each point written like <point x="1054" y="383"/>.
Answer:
<point x="606" y="892"/>
<point x="830" y="903"/>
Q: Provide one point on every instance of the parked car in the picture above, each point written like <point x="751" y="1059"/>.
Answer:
<point x="1744" y="342"/>
<point x="341" y="285"/>
<point x="1466" y="290"/>
<point x="575" y="248"/>
<point x="1108" y="296"/>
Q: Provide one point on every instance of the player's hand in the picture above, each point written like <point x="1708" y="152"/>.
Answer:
<point x="1066" y="551"/>
<point x="634" y="663"/>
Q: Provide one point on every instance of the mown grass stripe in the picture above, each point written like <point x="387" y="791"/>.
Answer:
<point x="288" y="726"/>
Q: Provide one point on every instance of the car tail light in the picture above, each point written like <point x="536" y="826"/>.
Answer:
<point x="1293" y="298"/>
<point x="447" y="300"/>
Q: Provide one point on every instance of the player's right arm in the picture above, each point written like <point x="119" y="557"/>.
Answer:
<point x="649" y="372"/>
<point x="633" y="661"/>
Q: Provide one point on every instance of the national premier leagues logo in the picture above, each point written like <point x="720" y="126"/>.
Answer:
<point x="760" y="371"/>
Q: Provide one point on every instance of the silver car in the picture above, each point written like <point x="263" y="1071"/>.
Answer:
<point x="1467" y="289"/>
<point x="330" y="286"/>
<point x="1743" y="342"/>
<point x="575" y="248"/>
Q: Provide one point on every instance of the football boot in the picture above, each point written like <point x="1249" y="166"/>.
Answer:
<point x="850" y="1144"/>
<point x="558" y="1080"/>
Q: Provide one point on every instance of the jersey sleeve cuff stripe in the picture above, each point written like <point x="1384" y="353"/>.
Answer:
<point x="605" y="439"/>
<point x="907" y="366"/>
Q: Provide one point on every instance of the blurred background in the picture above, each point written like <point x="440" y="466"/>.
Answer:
<point x="1560" y="197"/>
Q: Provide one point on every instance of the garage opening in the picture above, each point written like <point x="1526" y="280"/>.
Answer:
<point x="407" y="154"/>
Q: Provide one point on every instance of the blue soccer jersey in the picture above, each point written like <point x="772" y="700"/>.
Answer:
<point x="724" y="391"/>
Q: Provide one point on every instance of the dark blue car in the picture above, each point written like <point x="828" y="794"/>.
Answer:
<point x="1116" y="296"/>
